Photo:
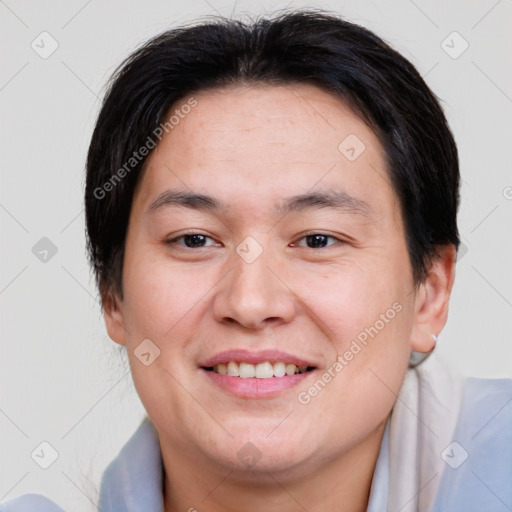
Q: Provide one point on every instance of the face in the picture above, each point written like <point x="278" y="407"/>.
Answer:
<point x="297" y="256"/>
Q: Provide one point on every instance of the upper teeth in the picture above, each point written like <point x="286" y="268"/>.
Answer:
<point x="264" y="370"/>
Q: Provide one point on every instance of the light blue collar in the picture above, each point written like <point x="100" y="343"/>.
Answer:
<point x="133" y="481"/>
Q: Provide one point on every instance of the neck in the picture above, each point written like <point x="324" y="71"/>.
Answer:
<point x="344" y="482"/>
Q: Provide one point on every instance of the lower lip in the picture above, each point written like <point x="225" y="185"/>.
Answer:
<point x="257" y="388"/>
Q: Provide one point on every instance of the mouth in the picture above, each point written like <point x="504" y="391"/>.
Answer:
<point x="264" y="374"/>
<point x="264" y="370"/>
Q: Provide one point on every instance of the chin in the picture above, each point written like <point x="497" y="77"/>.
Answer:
<point x="267" y="465"/>
<point x="264" y="448"/>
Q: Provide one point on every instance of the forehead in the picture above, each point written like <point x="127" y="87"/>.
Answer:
<point x="257" y="144"/>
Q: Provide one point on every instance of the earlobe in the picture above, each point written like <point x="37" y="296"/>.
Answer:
<point x="432" y="300"/>
<point x="113" y="316"/>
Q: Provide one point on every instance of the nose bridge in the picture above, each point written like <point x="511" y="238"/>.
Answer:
<point x="252" y="294"/>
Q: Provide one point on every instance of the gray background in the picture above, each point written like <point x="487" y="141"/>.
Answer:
<point x="62" y="380"/>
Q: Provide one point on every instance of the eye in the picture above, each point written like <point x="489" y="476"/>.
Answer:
<point x="192" y="241"/>
<point x="317" y="241"/>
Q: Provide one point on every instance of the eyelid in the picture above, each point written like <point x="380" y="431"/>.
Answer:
<point x="174" y="238"/>
<point x="313" y="232"/>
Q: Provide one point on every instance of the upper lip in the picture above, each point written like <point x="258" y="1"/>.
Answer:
<point x="254" y="357"/>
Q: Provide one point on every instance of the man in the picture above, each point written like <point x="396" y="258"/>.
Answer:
<point x="271" y="215"/>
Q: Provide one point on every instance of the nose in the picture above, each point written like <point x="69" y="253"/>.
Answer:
<point x="254" y="295"/>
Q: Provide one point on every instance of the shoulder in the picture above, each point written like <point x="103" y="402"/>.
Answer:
<point x="485" y="426"/>
<point x="486" y="408"/>
<point x="30" y="503"/>
<point x="478" y="462"/>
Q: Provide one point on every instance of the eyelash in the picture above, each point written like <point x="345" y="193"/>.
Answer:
<point x="175" y="240"/>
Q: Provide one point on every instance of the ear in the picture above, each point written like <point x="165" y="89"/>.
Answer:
<point x="114" y="318"/>
<point x="432" y="299"/>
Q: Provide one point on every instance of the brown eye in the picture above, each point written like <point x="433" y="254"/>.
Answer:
<point x="192" y="241"/>
<point x="317" y="241"/>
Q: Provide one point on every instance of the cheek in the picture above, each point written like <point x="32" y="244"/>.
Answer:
<point x="363" y="381"/>
<point x="347" y="300"/>
<point x="162" y="304"/>
<point x="368" y="320"/>
<point x="159" y="296"/>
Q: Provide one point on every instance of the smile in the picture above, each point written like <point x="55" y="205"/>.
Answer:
<point x="264" y="370"/>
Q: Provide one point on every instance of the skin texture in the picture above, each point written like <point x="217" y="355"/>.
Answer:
<point x="251" y="147"/>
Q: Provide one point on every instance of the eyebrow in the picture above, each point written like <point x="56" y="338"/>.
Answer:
<point x="335" y="199"/>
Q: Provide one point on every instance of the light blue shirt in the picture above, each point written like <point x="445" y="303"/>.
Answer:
<point x="481" y="483"/>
